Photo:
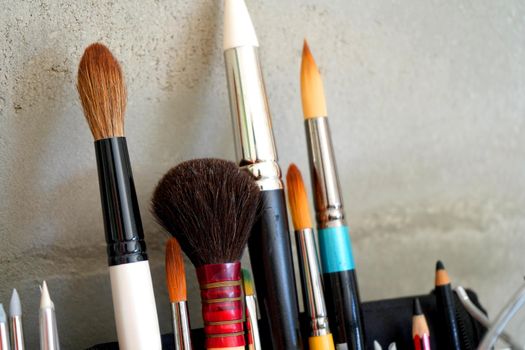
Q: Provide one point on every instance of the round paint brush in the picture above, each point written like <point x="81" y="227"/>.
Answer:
<point x="103" y="95"/>
<point x="176" y="278"/>
<point x="210" y="206"/>
<point x="320" y="337"/>
<point x="15" y="321"/>
<point x="335" y="245"/>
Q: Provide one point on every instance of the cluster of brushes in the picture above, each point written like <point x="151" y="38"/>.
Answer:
<point x="11" y="329"/>
<point x="214" y="209"/>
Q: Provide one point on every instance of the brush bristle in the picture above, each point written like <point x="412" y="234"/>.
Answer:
<point x="247" y="282"/>
<point x="298" y="199"/>
<point x="210" y="206"/>
<point x="312" y="90"/>
<point x="102" y="92"/>
<point x="175" y="273"/>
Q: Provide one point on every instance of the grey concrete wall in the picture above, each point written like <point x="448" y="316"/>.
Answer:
<point x="426" y="101"/>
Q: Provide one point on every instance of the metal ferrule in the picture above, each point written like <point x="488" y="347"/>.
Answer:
<point x="251" y="308"/>
<point x="4" y="337"/>
<point x="181" y="325"/>
<point x="252" y="125"/>
<point x="325" y="182"/>
<point x="312" y="283"/>
<point x="48" y="330"/>
<point x="17" y="335"/>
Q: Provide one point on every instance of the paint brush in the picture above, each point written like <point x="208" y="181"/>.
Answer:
<point x="420" y="332"/>
<point x="4" y="333"/>
<point x="15" y="321"/>
<point x="446" y="309"/>
<point x="48" y="323"/>
<point x="210" y="205"/>
<point x="103" y="96"/>
<point x="252" y="324"/>
<point x="176" y="278"/>
<point x="320" y="336"/>
<point x="269" y="245"/>
<point x="340" y="282"/>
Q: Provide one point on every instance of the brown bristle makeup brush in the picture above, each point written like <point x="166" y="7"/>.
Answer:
<point x="103" y="97"/>
<point x="176" y="279"/>
<point x="210" y="205"/>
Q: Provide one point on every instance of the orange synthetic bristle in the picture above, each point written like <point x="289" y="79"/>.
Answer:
<point x="175" y="274"/>
<point x="298" y="199"/>
<point x="102" y="92"/>
<point x="312" y="90"/>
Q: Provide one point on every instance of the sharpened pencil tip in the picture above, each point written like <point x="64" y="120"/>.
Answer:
<point x="15" y="306"/>
<point x="440" y="265"/>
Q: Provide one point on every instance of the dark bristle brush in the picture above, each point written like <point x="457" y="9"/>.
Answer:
<point x="210" y="206"/>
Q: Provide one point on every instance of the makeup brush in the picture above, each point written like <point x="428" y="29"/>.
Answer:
<point x="320" y="337"/>
<point x="15" y="320"/>
<point x="420" y="332"/>
<point x="103" y="97"/>
<point x="340" y="282"/>
<point x="48" y="323"/>
<point x="176" y="278"/>
<point x="209" y="205"/>
<point x="4" y="336"/>
<point x="446" y="309"/>
<point x="252" y="324"/>
<point x="269" y="245"/>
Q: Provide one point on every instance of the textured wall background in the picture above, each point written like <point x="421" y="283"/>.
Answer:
<point x="426" y="101"/>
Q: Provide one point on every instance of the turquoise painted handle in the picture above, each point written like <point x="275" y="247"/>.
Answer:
<point x="336" y="249"/>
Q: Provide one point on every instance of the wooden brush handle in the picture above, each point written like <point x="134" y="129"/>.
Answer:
<point x="222" y="305"/>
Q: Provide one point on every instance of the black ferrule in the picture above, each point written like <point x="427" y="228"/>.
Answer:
<point x="271" y="260"/>
<point x="120" y="208"/>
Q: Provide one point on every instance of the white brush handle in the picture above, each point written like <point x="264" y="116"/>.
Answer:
<point x="134" y="306"/>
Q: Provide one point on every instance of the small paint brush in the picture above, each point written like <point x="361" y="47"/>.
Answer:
<point x="446" y="309"/>
<point x="48" y="323"/>
<point x="335" y="246"/>
<point x="210" y="205"/>
<point x="320" y="336"/>
<point x="176" y="278"/>
<point x="15" y="321"/>
<point x="420" y="332"/>
<point x="4" y="334"/>
<point x="252" y="324"/>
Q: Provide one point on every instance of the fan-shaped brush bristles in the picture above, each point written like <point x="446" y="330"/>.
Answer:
<point x="298" y="199"/>
<point x="102" y="92"/>
<point x="209" y="205"/>
<point x="175" y="273"/>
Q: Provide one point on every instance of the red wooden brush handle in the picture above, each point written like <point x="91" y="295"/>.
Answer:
<point x="222" y="305"/>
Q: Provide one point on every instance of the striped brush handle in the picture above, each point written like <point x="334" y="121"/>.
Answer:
<point x="222" y="305"/>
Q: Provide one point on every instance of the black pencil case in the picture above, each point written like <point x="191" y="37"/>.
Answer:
<point x="386" y="321"/>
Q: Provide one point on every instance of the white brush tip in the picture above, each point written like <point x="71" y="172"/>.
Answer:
<point x="392" y="346"/>
<point x="45" y="299"/>
<point x="238" y="26"/>
<point x="377" y="346"/>
<point x="3" y="317"/>
<point x="15" y="307"/>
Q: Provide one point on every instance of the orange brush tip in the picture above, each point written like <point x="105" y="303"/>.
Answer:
<point x="298" y="199"/>
<point x="175" y="273"/>
<point x="312" y="90"/>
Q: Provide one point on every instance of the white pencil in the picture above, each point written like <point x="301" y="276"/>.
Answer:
<point x="15" y="322"/>
<point x="48" y="323"/>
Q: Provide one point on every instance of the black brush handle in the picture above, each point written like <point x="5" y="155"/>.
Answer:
<point x="449" y="339"/>
<point x="344" y="309"/>
<point x="271" y="259"/>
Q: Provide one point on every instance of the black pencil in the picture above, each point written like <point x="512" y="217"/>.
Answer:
<point x="446" y="309"/>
